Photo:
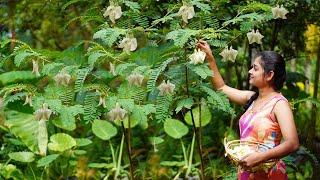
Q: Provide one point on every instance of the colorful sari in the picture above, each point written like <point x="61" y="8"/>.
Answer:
<point x="262" y="126"/>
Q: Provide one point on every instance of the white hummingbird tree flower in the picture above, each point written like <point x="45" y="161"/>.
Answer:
<point x="113" y="11"/>
<point x="166" y="88"/>
<point x="112" y="69"/>
<point x="128" y="44"/>
<point x="42" y="115"/>
<point x="35" y="68"/>
<point x="62" y="78"/>
<point x="28" y="100"/>
<point x="1" y="103"/>
<point x="102" y="99"/>
<point x="197" y="57"/>
<point x="135" y="79"/>
<point x="117" y="113"/>
<point x="279" y="12"/>
<point x="229" y="54"/>
<point x="254" y="37"/>
<point x="186" y="11"/>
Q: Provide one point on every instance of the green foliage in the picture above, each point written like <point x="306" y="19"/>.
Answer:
<point x="181" y="36"/>
<point x="25" y="157"/>
<point x="163" y="107"/>
<point x="175" y="128"/>
<point x="156" y="72"/>
<point x="45" y="161"/>
<point x="25" y="127"/>
<point x="16" y="76"/>
<point x="103" y="129"/>
<point x="218" y="101"/>
<point x="204" y="117"/>
<point x="109" y="35"/>
<point x="61" y="142"/>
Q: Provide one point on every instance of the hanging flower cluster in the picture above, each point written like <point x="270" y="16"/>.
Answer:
<point x="229" y="54"/>
<point x="166" y="88"/>
<point x="35" y="68"/>
<point x="128" y="44"/>
<point x="28" y="100"/>
<point x="43" y="113"/>
<point x="102" y="99"/>
<point x="197" y="57"/>
<point x="186" y="12"/>
<point x="114" y="13"/>
<point x="254" y="37"/>
<point x="117" y="113"/>
<point x="62" y="78"/>
<point x="135" y="79"/>
<point x="279" y="12"/>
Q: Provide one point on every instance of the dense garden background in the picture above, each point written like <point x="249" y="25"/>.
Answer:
<point x="115" y="90"/>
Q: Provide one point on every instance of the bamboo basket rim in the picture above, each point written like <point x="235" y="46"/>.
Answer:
<point x="265" y="165"/>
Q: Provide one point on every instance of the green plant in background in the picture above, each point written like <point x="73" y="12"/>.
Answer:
<point x="133" y="70"/>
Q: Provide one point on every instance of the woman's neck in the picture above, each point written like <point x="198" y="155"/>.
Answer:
<point x="266" y="92"/>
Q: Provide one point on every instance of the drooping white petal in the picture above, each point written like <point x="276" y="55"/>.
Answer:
<point x="279" y="12"/>
<point x="102" y="102"/>
<point x="1" y="103"/>
<point x="186" y="12"/>
<point x="62" y="78"/>
<point x="197" y="57"/>
<point x="255" y="37"/>
<point x="229" y="54"/>
<point x="28" y="100"/>
<point x="43" y="113"/>
<point x="166" y="88"/>
<point x="135" y="79"/>
<point x="112" y="69"/>
<point x="35" y="68"/>
<point x="114" y="13"/>
<point x="117" y="113"/>
<point x="128" y="44"/>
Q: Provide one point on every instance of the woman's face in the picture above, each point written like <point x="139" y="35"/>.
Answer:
<point x="257" y="75"/>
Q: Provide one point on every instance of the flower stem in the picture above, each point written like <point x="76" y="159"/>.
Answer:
<point x="128" y="146"/>
<point x="194" y="128"/>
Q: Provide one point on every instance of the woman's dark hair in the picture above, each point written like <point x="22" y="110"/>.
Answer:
<point x="271" y="61"/>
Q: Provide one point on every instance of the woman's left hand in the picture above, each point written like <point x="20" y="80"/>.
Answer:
<point x="252" y="160"/>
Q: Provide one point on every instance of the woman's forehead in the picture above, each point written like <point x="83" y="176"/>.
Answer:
<point x="257" y="61"/>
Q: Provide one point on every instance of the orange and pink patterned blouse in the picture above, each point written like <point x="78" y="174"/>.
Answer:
<point x="262" y="126"/>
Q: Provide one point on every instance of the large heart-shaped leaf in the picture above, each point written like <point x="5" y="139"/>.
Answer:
<point x="22" y="156"/>
<point x="205" y="116"/>
<point x="103" y="129"/>
<point x="175" y="128"/>
<point x="61" y="142"/>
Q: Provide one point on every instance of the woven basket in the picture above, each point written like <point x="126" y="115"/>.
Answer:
<point x="237" y="149"/>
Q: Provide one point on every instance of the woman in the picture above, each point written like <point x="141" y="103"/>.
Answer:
<point x="268" y="117"/>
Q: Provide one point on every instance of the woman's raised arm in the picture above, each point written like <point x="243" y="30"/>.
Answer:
<point x="235" y="95"/>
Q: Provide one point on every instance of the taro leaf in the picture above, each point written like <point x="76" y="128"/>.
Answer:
<point x="205" y="116"/>
<point x="61" y="142"/>
<point x="175" y="128"/>
<point x="103" y="129"/>
<point x="47" y="160"/>
<point x="22" y="156"/>
<point x="83" y="141"/>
